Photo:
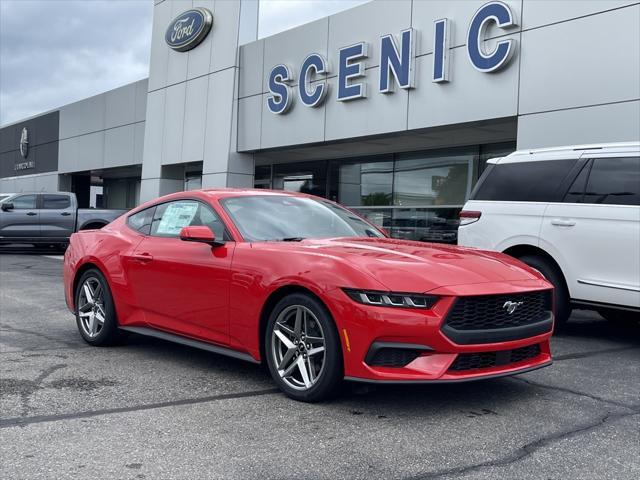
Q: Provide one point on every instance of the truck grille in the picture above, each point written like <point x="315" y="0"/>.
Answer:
<point x="472" y="361"/>
<point x="490" y="311"/>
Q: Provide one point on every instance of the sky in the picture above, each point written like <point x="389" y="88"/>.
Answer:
<point x="54" y="52"/>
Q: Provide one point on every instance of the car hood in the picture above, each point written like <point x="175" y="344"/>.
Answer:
<point x="407" y="266"/>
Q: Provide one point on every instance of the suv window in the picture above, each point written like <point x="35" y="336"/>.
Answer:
<point x="24" y="202"/>
<point x="614" y="181"/>
<point x="141" y="221"/>
<point x="55" y="202"/>
<point x="171" y="217"/>
<point x="576" y="191"/>
<point x="536" y="181"/>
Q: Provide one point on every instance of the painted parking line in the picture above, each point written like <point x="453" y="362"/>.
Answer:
<point x="55" y="257"/>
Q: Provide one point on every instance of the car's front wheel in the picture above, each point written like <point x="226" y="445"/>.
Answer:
<point x="95" y="311"/>
<point x="302" y="349"/>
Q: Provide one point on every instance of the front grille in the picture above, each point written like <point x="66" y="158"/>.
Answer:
<point x="489" y="311"/>
<point x="473" y="361"/>
<point x="393" y="357"/>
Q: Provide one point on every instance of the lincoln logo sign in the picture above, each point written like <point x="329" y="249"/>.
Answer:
<point x="24" y="142"/>
<point x="397" y="61"/>
<point x="188" y="29"/>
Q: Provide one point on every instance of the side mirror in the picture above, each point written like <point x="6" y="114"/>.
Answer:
<point x="200" y="234"/>
<point x="7" y="206"/>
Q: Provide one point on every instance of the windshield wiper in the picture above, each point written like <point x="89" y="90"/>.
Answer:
<point x="292" y="239"/>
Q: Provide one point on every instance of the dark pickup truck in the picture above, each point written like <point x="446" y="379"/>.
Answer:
<point x="47" y="218"/>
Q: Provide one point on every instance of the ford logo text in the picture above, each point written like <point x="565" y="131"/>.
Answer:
<point x="188" y="29"/>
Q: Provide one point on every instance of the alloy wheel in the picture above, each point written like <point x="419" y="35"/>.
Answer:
<point x="91" y="307"/>
<point x="298" y="347"/>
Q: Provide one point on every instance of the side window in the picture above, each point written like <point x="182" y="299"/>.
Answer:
<point x="24" y="202"/>
<point x="614" y="181"/>
<point x="55" y="202"/>
<point x="171" y="217"/>
<point x="535" y="181"/>
<point x="141" y="221"/>
<point x="576" y="190"/>
<point x="207" y="217"/>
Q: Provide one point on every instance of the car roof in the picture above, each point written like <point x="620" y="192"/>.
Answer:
<point x="218" y="194"/>
<point x="567" y="152"/>
<point x="243" y="192"/>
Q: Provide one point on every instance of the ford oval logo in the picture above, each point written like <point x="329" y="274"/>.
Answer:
<point x="188" y="29"/>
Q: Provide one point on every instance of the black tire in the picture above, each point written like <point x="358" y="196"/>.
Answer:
<point x="58" y="247"/>
<point x="330" y="376"/>
<point x="619" y="317"/>
<point x="108" y="333"/>
<point x="561" y="293"/>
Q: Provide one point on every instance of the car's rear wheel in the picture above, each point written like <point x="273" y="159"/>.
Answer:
<point x="95" y="311"/>
<point x="561" y="294"/>
<point x="302" y="349"/>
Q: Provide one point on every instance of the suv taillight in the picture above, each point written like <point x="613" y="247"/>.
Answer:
<point x="468" y="216"/>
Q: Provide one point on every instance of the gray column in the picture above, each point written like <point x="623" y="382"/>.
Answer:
<point x="192" y="100"/>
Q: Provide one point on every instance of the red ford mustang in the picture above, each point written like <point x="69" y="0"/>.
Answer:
<point x="310" y="288"/>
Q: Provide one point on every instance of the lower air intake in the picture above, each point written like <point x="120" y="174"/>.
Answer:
<point x="474" y="361"/>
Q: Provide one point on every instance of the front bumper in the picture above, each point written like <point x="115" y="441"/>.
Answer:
<point x="436" y="355"/>
<point x="485" y="376"/>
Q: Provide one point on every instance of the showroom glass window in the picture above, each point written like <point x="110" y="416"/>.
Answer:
<point x="193" y="181"/>
<point x="304" y="177"/>
<point x="262" y="176"/>
<point x="365" y="181"/>
<point x="24" y="202"/>
<point x="413" y="196"/>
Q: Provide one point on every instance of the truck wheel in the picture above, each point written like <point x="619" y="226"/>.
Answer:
<point x="95" y="310"/>
<point x="561" y="293"/>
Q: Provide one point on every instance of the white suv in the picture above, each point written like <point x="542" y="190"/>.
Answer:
<point x="573" y="213"/>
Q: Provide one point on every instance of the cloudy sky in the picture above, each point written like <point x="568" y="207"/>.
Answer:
<point x="53" y="52"/>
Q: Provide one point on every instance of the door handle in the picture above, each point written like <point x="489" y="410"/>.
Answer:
<point x="559" y="222"/>
<point x="142" y="257"/>
<point x="31" y="214"/>
<point x="65" y="214"/>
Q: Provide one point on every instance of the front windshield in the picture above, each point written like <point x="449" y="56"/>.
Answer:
<point x="285" y="218"/>
<point x="3" y="198"/>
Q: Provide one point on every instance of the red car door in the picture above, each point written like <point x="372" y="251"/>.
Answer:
<point x="183" y="287"/>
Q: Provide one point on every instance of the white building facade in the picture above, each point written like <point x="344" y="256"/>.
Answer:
<point x="391" y="107"/>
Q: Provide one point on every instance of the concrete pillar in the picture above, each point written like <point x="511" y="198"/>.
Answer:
<point x="192" y="99"/>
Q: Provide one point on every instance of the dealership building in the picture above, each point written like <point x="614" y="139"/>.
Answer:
<point x="391" y="108"/>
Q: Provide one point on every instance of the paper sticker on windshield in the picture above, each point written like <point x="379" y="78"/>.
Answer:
<point x="175" y="217"/>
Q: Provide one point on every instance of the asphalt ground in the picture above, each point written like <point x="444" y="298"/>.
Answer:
<point x="155" y="410"/>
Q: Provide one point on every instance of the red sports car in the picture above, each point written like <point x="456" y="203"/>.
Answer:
<point x="309" y="287"/>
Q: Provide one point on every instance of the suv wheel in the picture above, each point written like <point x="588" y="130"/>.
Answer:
<point x="95" y="311"/>
<point x="302" y="349"/>
<point x="561" y="294"/>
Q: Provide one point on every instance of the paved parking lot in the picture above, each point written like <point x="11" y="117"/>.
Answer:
<point x="150" y="409"/>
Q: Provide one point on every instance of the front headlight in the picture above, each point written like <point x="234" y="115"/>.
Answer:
<point x="391" y="299"/>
